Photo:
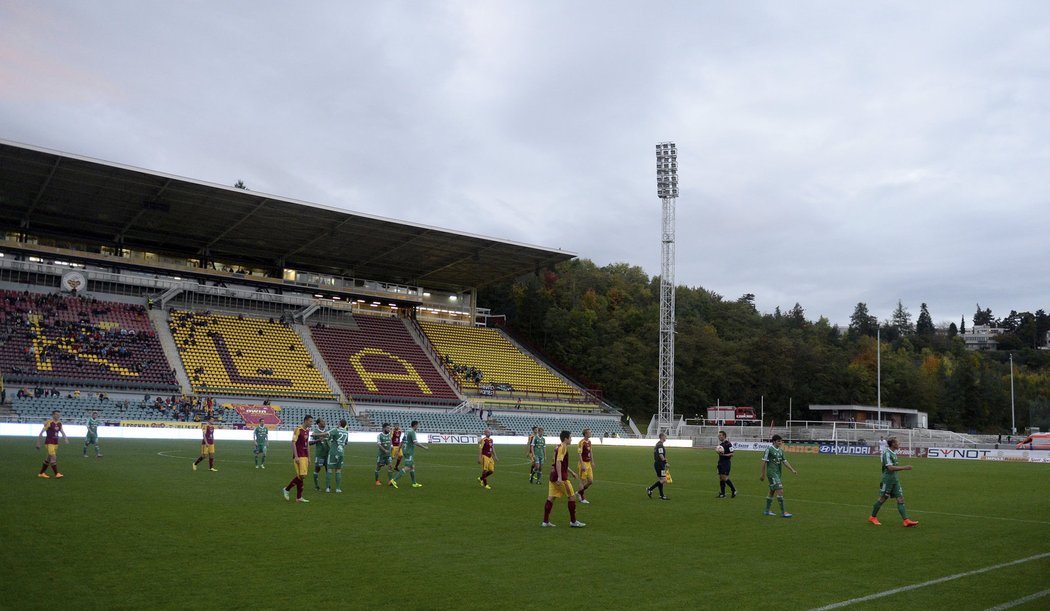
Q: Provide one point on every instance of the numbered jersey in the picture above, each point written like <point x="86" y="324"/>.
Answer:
<point x="774" y="458"/>
<point x="261" y="434"/>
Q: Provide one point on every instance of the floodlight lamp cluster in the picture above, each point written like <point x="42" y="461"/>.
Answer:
<point x="666" y="170"/>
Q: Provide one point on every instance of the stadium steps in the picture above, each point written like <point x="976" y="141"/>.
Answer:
<point x="159" y="319"/>
<point x="498" y="427"/>
<point x="365" y="420"/>
<point x="320" y="364"/>
<point x="541" y="360"/>
<point x="7" y="413"/>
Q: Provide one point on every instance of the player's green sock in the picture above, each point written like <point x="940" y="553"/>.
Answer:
<point x="780" y="500"/>
<point x="327" y="479"/>
<point x="98" y="451"/>
<point x="769" y="503"/>
<point x="317" y="482"/>
<point x="264" y="459"/>
<point x="901" y="510"/>
<point x="256" y="460"/>
<point x="339" y="480"/>
<point x="376" y="478"/>
<point x="398" y="475"/>
<point x="412" y="474"/>
<point x="875" y="508"/>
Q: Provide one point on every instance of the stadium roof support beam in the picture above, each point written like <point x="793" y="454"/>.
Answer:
<point x="474" y="255"/>
<point x="40" y="192"/>
<point x="392" y="250"/>
<point x="226" y="232"/>
<point x="131" y="223"/>
<point x="321" y="236"/>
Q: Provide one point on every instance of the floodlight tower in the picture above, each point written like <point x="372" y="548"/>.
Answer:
<point x="667" y="189"/>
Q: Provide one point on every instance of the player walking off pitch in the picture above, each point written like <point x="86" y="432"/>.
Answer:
<point x="585" y="466"/>
<point x="92" y="435"/>
<point x="660" y="465"/>
<point x="891" y="486"/>
<point x="559" y="485"/>
<point x="725" y="458"/>
<point x="487" y="459"/>
<point x="300" y="459"/>
<point x="771" y="461"/>
<point x="408" y="452"/>
<point x="207" y="445"/>
<point x="52" y="429"/>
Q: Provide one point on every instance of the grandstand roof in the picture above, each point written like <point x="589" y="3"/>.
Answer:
<point x="79" y="199"/>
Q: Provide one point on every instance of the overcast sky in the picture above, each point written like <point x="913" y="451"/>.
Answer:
<point x="830" y="152"/>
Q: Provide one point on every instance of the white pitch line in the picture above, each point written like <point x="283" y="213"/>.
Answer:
<point x="1020" y="601"/>
<point x="932" y="582"/>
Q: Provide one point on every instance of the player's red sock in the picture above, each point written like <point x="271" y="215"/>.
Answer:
<point x="572" y="509"/>
<point x="44" y="468"/>
<point x="547" y="510"/>
<point x="298" y="487"/>
<point x="397" y="465"/>
<point x="54" y="467"/>
<point x="581" y="493"/>
<point x="291" y="483"/>
<point x="211" y="462"/>
<point x="199" y="459"/>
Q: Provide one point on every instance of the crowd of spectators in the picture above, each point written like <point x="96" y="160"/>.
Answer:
<point x="186" y="408"/>
<point x="467" y="372"/>
<point x="70" y="329"/>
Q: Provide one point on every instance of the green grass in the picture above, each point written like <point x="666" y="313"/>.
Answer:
<point x="139" y="529"/>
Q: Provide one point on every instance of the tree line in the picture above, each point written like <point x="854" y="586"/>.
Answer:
<point x="601" y="325"/>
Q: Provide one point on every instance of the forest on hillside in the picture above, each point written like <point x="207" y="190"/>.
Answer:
<point x="601" y="324"/>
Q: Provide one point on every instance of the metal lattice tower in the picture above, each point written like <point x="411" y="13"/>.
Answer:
<point x="667" y="189"/>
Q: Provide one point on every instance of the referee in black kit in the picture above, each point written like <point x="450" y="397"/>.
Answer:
<point x="660" y="465"/>
<point x="725" y="463"/>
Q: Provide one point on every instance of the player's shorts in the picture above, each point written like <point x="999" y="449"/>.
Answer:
<point x="661" y="469"/>
<point x="335" y="461"/>
<point x="560" y="489"/>
<point x="260" y="448"/>
<point x="775" y="483"/>
<point x="397" y="452"/>
<point x="321" y="461"/>
<point x="586" y="470"/>
<point x="723" y="469"/>
<point x="207" y="449"/>
<point x="537" y="460"/>
<point x="487" y="464"/>
<point x="52" y="449"/>
<point x="891" y="489"/>
<point x="383" y="459"/>
<point x="302" y="466"/>
<point x="91" y="439"/>
<point x="409" y="460"/>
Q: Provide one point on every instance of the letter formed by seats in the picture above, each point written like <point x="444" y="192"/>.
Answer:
<point x="42" y="344"/>
<point x="369" y="377"/>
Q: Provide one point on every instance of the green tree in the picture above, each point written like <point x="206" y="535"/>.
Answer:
<point x="901" y="320"/>
<point x="861" y="322"/>
<point x="983" y="317"/>
<point x="924" y="324"/>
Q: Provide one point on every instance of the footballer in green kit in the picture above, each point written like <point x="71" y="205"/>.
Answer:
<point x="262" y="437"/>
<point x="891" y="485"/>
<point x="384" y="455"/>
<point x="539" y="454"/>
<point x="771" y="463"/>
<point x="319" y="439"/>
<point x="337" y="439"/>
<point x="92" y="435"/>
<point x="408" y="451"/>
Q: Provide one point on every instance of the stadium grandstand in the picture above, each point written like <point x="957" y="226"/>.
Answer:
<point x="151" y="298"/>
<point x="377" y="358"/>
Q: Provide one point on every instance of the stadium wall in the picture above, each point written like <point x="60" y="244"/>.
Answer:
<point x="74" y="431"/>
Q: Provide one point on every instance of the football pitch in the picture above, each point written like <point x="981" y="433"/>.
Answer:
<point x="139" y="529"/>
